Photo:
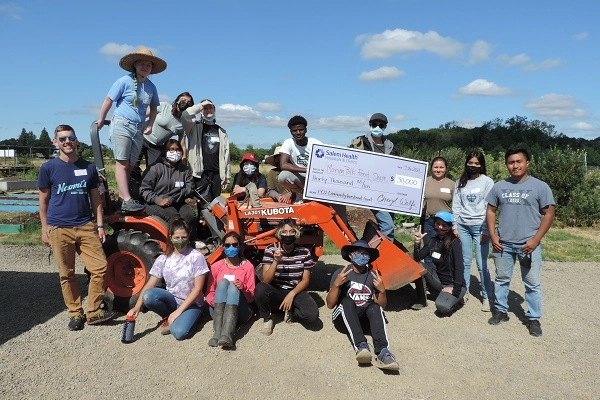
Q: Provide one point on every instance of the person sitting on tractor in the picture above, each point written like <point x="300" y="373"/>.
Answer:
<point x="166" y="185"/>
<point x="231" y="286"/>
<point x="285" y="277"/>
<point x="249" y="181"/>
<point x="357" y="297"/>
<point x="183" y="270"/>
<point x="275" y="190"/>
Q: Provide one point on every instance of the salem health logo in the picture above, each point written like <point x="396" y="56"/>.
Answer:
<point x="320" y="153"/>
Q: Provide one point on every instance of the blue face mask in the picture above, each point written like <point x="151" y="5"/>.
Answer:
<point x="208" y="119"/>
<point x="377" y="131"/>
<point x="360" y="259"/>
<point x="231" y="251"/>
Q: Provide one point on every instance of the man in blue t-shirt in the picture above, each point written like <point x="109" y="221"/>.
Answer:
<point x="67" y="185"/>
<point x="526" y="209"/>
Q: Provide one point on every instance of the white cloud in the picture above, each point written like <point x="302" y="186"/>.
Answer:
<point x="519" y="59"/>
<point x="398" y="117"/>
<point x="582" y="126"/>
<point x="546" y="64"/>
<point x="236" y="114"/>
<point x="480" y="52"/>
<point x="116" y="50"/>
<point x="580" y="36"/>
<point x="381" y="73"/>
<point x="467" y="123"/>
<point x="527" y="64"/>
<point x="390" y="42"/>
<point x="12" y="10"/>
<point x="556" y="107"/>
<point x="267" y="107"/>
<point x="340" y="123"/>
<point x="482" y="87"/>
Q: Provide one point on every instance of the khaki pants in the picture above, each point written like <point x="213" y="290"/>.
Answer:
<point x="84" y="241"/>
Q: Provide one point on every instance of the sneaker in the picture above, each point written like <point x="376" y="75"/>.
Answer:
<point x="498" y="317"/>
<point x="363" y="354"/>
<point x="131" y="205"/>
<point x="535" y="329"/>
<point x="100" y="317"/>
<point x="288" y="318"/>
<point x="267" y="328"/>
<point x="164" y="328"/>
<point x="76" y="323"/>
<point x="485" y="305"/>
<point x="386" y="360"/>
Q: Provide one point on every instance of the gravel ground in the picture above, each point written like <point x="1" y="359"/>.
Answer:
<point x="457" y="357"/>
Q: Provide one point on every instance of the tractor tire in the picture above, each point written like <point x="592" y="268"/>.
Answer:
<point x="130" y="255"/>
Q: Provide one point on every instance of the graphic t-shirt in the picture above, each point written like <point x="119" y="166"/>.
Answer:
<point x="69" y="185"/>
<point x="122" y="92"/>
<point x="210" y="147"/>
<point x="359" y="287"/>
<point x="299" y="155"/>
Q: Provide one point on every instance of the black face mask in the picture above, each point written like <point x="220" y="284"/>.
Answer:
<point x="288" y="239"/>
<point x="183" y="105"/>
<point x="472" y="170"/>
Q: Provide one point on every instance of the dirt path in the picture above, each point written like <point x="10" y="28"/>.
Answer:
<point x="461" y="357"/>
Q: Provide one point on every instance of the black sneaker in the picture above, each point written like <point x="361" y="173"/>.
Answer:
<point x="76" y="323"/>
<point x="131" y="205"/>
<point x="100" y="317"/>
<point x="363" y="354"/>
<point x="535" y="329"/>
<point x="498" y="318"/>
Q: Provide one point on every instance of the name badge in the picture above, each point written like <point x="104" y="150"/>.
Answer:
<point x="444" y="190"/>
<point x="436" y="255"/>
<point x="179" y="184"/>
<point x="230" y="278"/>
<point x="80" y="172"/>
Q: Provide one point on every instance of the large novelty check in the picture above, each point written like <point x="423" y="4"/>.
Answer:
<point x="365" y="179"/>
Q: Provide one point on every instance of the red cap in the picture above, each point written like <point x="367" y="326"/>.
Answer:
<point x="249" y="157"/>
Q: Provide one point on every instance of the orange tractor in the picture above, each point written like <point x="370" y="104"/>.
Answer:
<point x="137" y="240"/>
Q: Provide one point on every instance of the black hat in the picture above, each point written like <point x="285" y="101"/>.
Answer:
<point x="378" y="117"/>
<point x="359" y="244"/>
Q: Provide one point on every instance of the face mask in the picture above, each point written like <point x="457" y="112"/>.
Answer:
<point x="377" y="131"/>
<point x="472" y="170"/>
<point x="249" y="169"/>
<point x="180" y="244"/>
<point x="173" y="156"/>
<point x="208" y="119"/>
<point x="288" y="239"/>
<point x="360" y="259"/>
<point x="183" y="105"/>
<point x="231" y="251"/>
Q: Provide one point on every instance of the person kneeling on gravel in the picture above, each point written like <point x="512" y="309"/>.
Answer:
<point x="357" y="297"/>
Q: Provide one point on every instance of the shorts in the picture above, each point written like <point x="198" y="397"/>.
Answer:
<point x="126" y="138"/>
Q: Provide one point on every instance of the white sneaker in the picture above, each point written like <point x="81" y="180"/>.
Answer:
<point x="267" y="328"/>
<point x="485" y="305"/>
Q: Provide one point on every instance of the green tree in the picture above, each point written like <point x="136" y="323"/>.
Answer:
<point x="26" y="138"/>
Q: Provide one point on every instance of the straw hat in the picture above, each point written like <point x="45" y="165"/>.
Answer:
<point x="158" y="64"/>
<point x="271" y="159"/>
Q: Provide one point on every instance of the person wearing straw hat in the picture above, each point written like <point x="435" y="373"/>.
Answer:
<point x="276" y="191"/>
<point x="134" y="93"/>
<point x="357" y="297"/>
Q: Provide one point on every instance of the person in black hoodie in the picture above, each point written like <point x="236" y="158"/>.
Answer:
<point x="166" y="185"/>
<point x="446" y="277"/>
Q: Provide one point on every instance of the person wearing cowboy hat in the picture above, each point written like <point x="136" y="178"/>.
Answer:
<point x="275" y="190"/>
<point x="134" y="93"/>
<point x="357" y="297"/>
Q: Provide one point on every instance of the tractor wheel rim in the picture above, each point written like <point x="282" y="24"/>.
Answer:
<point x="126" y="274"/>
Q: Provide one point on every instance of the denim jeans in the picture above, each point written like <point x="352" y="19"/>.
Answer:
<point x="428" y="227"/>
<point x="505" y="262"/>
<point x="226" y="292"/>
<point x="471" y="235"/>
<point x="126" y="138"/>
<point x="163" y="303"/>
<point x="385" y="221"/>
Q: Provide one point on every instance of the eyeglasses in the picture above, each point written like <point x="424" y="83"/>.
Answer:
<point x="63" y="139"/>
<point x="382" y="125"/>
<point x="227" y="245"/>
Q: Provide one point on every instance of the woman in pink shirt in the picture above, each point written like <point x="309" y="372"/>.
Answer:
<point x="231" y="285"/>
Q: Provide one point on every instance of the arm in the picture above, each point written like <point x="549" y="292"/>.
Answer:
<point x="490" y="219"/>
<point x="271" y="258"/>
<point x="286" y="304"/>
<point x="380" y="297"/>
<point x="44" y="200"/>
<point x="99" y="212"/>
<point x="106" y="105"/>
<point x="190" y="299"/>
<point x="337" y="281"/>
<point x="151" y="119"/>
<point x="548" y="214"/>
<point x="456" y="209"/>
<point x="148" y="187"/>
<point x="181" y="138"/>
<point x="286" y="164"/>
<point x="152" y="282"/>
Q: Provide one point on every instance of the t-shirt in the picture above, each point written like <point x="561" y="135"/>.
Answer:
<point x="290" y="268"/>
<point x="210" y="147"/>
<point x="359" y="287"/>
<point x="165" y="125"/>
<point x="220" y="270"/>
<point x="179" y="272"/>
<point x="299" y="155"/>
<point x="468" y="203"/>
<point x="520" y="204"/>
<point x="438" y="195"/>
<point x="69" y="185"/>
<point x="122" y="92"/>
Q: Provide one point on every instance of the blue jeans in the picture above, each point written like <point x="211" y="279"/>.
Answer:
<point x="505" y="262"/>
<point x="226" y="292"/>
<point x="471" y="235"/>
<point x="428" y="227"/>
<point x="163" y="303"/>
<point x="385" y="221"/>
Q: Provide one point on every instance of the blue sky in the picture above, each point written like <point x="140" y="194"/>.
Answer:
<point x="422" y="63"/>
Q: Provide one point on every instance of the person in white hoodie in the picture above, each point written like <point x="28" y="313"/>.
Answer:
<point x="469" y="209"/>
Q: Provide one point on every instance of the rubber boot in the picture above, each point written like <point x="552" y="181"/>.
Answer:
<point x="217" y="324"/>
<point x="252" y="191"/>
<point x="229" y="323"/>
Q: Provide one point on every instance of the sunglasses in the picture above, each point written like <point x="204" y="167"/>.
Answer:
<point x="71" y="138"/>
<point x="236" y="244"/>
<point x="382" y="125"/>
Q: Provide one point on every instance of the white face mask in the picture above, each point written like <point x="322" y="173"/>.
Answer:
<point x="249" y="169"/>
<point x="173" y="156"/>
<point x="377" y="131"/>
